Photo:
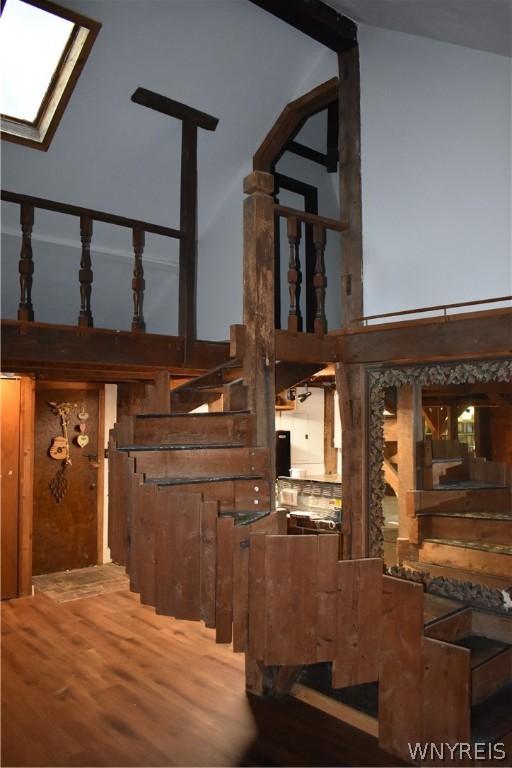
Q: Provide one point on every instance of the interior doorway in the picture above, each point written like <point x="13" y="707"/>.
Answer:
<point x="68" y="476"/>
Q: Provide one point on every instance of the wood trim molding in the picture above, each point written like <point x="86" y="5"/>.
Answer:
<point x="377" y="379"/>
<point x="100" y="482"/>
<point x="39" y="133"/>
<point x="290" y="121"/>
<point x="26" y="486"/>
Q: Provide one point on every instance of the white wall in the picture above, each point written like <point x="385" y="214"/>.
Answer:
<point x="314" y="135"/>
<point x="306" y="426"/>
<point x="224" y="57"/>
<point x="436" y="168"/>
<point x="436" y="156"/>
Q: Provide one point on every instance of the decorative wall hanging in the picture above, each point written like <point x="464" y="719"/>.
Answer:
<point x="59" y="450"/>
<point x="82" y="439"/>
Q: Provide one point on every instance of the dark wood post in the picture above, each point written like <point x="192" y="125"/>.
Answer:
<point x="188" y="224"/>
<point x="85" y="275"/>
<point x="138" y="282"/>
<point x="294" y="276"/>
<point x="259" y="354"/>
<point x="350" y="186"/>
<point x="350" y="386"/>
<point x="192" y="119"/>
<point x="319" y="280"/>
<point x="26" y="263"/>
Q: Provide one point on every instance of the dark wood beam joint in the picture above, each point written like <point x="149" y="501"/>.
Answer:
<point x="172" y="108"/>
<point x="307" y="152"/>
<point x="315" y="19"/>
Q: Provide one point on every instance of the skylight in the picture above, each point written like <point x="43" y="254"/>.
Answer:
<point x="43" y="49"/>
<point x="32" y="42"/>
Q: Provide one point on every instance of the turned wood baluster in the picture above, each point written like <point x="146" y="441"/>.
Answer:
<point x="138" y="282"/>
<point x="319" y="279"/>
<point x="85" y="274"/>
<point x="26" y="264"/>
<point x="294" y="276"/>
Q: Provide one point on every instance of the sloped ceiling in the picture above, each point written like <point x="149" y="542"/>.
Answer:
<point x="482" y="24"/>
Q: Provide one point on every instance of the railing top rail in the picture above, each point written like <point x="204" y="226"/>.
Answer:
<point x="310" y="218"/>
<point x="443" y="307"/>
<point x="75" y="210"/>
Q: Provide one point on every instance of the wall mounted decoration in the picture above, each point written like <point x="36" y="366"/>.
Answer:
<point x="59" y="450"/>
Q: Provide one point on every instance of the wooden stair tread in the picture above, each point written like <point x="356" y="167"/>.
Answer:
<point x="245" y="516"/>
<point x="482" y="648"/>
<point x="458" y="574"/>
<point x="206" y="415"/>
<point x="484" y="515"/>
<point x="179" y="447"/>
<point x="498" y="549"/>
<point x="492" y="719"/>
<point x="196" y="480"/>
<point x="467" y="485"/>
<point x="436" y="607"/>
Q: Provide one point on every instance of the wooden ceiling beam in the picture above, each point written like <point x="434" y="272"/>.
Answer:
<point x="315" y="19"/>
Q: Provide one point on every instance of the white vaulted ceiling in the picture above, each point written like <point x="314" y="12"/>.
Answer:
<point x="482" y="24"/>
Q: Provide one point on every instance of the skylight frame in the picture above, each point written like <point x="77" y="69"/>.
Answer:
<point x="39" y="133"/>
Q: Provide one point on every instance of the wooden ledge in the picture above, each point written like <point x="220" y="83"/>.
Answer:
<point x="99" y="354"/>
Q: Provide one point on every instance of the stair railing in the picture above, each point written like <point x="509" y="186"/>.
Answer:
<point x="86" y="218"/>
<point x="295" y="219"/>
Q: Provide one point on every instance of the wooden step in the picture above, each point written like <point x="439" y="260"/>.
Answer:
<point x="490" y="499"/>
<point x="187" y="400"/>
<point x="466" y="526"/>
<point x="233" y="493"/>
<point x="491" y="666"/>
<point x="491" y="721"/>
<point x="201" y="462"/>
<point x="196" y="428"/>
<point x="476" y="556"/>
<point x="178" y="447"/>
<point x="450" y="627"/>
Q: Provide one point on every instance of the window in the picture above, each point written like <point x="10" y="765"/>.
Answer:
<point x="43" y="49"/>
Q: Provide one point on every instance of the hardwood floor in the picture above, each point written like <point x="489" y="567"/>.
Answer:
<point x="103" y="681"/>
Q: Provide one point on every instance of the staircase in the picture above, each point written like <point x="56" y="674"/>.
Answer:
<point x="488" y="668"/>
<point x="464" y="522"/>
<point x="186" y="490"/>
<point x="190" y="518"/>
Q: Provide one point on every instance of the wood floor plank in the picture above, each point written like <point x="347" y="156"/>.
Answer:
<point x="104" y="681"/>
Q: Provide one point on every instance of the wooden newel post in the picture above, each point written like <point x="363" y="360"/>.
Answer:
<point x="294" y="276"/>
<point x="138" y="282"/>
<point x="319" y="279"/>
<point x="85" y="274"/>
<point x="259" y="354"/>
<point x="26" y="264"/>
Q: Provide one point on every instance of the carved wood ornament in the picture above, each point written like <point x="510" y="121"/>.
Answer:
<point x="378" y="379"/>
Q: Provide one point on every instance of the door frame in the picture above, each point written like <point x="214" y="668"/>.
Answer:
<point x="100" y="484"/>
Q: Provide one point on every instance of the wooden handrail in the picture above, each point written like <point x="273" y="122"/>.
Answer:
<point x="310" y="218"/>
<point x="75" y="210"/>
<point x="420" y="310"/>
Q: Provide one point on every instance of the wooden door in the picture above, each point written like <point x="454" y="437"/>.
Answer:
<point x="10" y="419"/>
<point x="66" y="531"/>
